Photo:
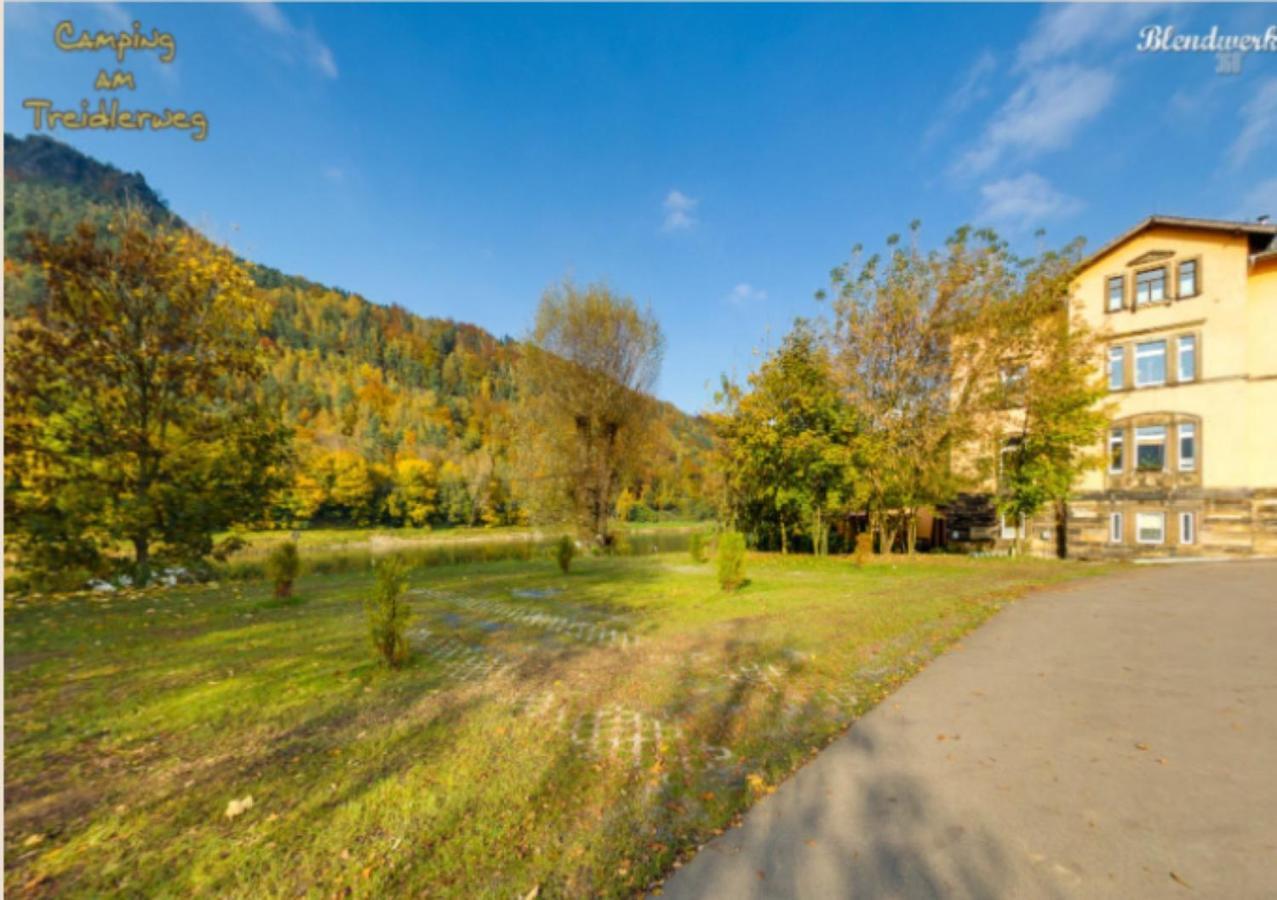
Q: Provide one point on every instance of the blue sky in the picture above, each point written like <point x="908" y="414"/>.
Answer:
<point x="712" y="161"/>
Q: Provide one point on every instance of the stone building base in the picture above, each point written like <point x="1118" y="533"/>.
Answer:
<point x="1224" y="523"/>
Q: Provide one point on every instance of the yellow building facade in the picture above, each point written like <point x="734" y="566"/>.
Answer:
<point x="1187" y="312"/>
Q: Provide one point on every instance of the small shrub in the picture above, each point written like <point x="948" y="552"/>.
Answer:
<point x="387" y="611"/>
<point x="282" y="567"/>
<point x="731" y="560"/>
<point x="228" y="547"/>
<point x="864" y="548"/>
<point x="696" y="547"/>
<point x="564" y="550"/>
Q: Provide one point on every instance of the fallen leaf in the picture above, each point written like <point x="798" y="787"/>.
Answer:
<point x="32" y="840"/>
<point x="1175" y="878"/>
<point x="532" y="894"/>
<point x="236" y="807"/>
<point x="1140" y="746"/>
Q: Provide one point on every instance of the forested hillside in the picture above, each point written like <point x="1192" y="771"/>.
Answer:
<point x="397" y="418"/>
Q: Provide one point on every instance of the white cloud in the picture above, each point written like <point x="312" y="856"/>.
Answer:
<point x="115" y="15"/>
<point x="746" y="293"/>
<point x="1259" y="124"/>
<point x="1078" y="27"/>
<point x="297" y="42"/>
<point x="1043" y="114"/>
<point x="334" y="173"/>
<point x="1024" y="202"/>
<point x="973" y="88"/>
<point x="679" y="209"/>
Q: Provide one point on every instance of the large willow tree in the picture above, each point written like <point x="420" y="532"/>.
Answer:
<point x="134" y="410"/>
<point x="586" y="411"/>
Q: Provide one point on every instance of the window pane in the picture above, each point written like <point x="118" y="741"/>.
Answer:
<point x="1150" y="286"/>
<point x="1187" y="528"/>
<point x="1150" y="528"/>
<point x="1187" y="279"/>
<point x="1115" y="450"/>
<point x="1115" y="293"/>
<point x="1115" y="527"/>
<point x="1150" y="363"/>
<point x="1117" y="368"/>
<point x="1187" y="357"/>
<point x="1188" y="446"/>
<point x="1150" y="448"/>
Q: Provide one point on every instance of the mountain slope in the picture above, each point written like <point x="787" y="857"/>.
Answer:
<point x="365" y="386"/>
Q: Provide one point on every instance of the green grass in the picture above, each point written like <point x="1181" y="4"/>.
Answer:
<point x="260" y="542"/>
<point x="132" y="721"/>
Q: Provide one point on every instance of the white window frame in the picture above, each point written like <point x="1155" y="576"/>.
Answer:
<point x="1190" y="341"/>
<point x="1150" y="298"/>
<point x="1121" y="293"/>
<point x="1115" y="528"/>
<point x="1149" y="437"/>
<point x="1012" y="532"/>
<point x="1189" y="519"/>
<point x="1186" y="429"/>
<point x="1117" y="354"/>
<point x="1160" y="517"/>
<point x="1179" y="279"/>
<point x="1146" y="350"/>
<point x="1117" y="437"/>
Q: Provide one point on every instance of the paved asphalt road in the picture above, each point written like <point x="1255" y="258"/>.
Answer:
<point x="1111" y="739"/>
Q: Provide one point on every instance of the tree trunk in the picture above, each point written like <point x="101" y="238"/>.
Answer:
<point x="911" y="532"/>
<point x="141" y="559"/>
<point x="784" y="539"/>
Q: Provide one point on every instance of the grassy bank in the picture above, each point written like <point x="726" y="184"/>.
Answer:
<point x="574" y="733"/>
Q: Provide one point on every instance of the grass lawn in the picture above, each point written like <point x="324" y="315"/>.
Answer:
<point x="578" y="734"/>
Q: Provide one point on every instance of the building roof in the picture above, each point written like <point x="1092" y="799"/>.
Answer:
<point x="1261" y="229"/>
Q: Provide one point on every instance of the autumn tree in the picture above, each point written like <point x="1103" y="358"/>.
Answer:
<point x="134" y="409"/>
<point x="1050" y="388"/>
<point x="906" y="368"/>
<point x="412" y="499"/>
<point x="584" y="381"/>
<point x="786" y="445"/>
